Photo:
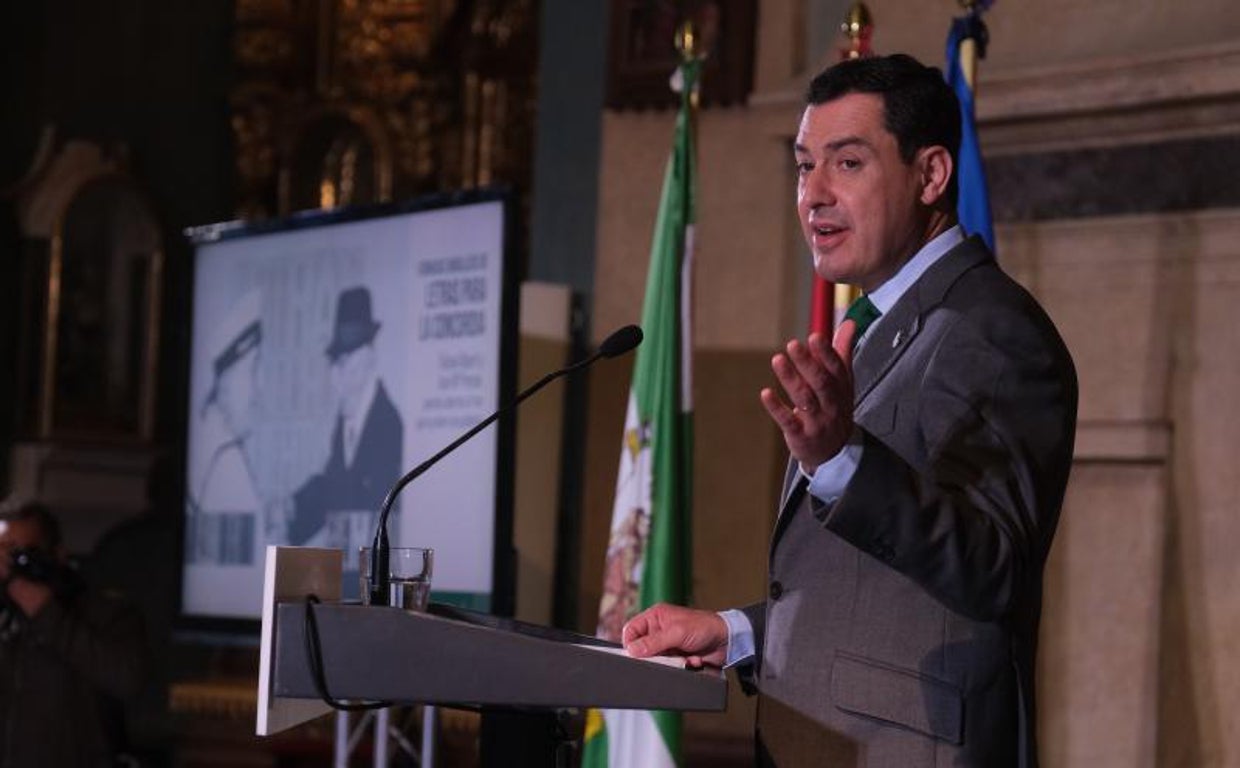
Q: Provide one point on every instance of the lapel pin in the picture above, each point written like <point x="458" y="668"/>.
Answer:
<point x="895" y="341"/>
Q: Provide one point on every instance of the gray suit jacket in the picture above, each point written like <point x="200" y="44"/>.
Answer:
<point x="901" y="624"/>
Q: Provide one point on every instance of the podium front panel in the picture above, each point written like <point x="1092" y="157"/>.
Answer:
<point x="388" y="654"/>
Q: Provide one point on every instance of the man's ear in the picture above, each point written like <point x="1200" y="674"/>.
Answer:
<point x="936" y="169"/>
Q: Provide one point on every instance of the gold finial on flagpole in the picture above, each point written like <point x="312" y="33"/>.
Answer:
<point x="689" y="45"/>
<point x="968" y="50"/>
<point x="858" y="26"/>
<point x="686" y="41"/>
<point x="857" y="20"/>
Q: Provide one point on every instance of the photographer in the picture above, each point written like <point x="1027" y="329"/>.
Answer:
<point x="68" y="655"/>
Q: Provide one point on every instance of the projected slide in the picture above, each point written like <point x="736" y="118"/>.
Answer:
<point x="326" y="361"/>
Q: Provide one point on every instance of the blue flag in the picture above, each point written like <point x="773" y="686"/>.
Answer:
<point x="973" y="203"/>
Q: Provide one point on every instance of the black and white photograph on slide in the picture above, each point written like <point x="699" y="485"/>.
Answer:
<point x="326" y="361"/>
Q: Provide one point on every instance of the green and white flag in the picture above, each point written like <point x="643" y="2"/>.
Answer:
<point x="648" y="556"/>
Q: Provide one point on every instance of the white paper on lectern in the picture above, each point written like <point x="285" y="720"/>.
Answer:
<point x="290" y="574"/>
<point x="667" y="661"/>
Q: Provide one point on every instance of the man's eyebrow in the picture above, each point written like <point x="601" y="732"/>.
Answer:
<point x="848" y="141"/>
<point x="837" y="145"/>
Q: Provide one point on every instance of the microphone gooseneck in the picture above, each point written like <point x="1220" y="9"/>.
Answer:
<point x="618" y="343"/>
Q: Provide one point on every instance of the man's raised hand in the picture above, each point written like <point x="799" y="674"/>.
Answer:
<point x="817" y="417"/>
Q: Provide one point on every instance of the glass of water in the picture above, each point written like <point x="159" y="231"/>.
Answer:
<point x="409" y="576"/>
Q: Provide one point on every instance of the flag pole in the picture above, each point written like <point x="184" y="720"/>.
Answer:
<point x="967" y="40"/>
<point x="692" y="48"/>
<point x="688" y="45"/>
<point x="858" y="27"/>
<point x="828" y="301"/>
<point x="649" y="550"/>
<point x="968" y="49"/>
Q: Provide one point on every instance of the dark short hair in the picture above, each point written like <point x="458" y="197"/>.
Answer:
<point x="919" y="108"/>
<point x="40" y="515"/>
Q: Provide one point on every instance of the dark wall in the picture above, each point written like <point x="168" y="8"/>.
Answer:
<point x="22" y="39"/>
<point x="571" y="74"/>
<point x="570" y="116"/>
<point x="151" y="77"/>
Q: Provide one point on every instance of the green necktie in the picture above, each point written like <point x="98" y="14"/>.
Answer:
<point x="863" y="313"/>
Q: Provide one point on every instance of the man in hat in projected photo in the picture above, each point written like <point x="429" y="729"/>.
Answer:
<point x="337" y="506"/>
<point x="223" y="501"/>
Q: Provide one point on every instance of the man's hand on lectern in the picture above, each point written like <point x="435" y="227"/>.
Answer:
<point x="700" y="636"/>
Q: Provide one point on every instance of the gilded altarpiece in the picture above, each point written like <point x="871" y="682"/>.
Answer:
<point x="342" y="102"/>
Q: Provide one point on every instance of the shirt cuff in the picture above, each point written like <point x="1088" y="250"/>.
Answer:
<point x="740" y="638"/>
<point x="831" y="478"/>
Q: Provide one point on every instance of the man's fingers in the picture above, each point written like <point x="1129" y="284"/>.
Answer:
<point x="826" y="356"/>
<point x="634" y="636"/>
<point x="655" y="643"/>
<point x="635" y="627"/>
<point x="800" y="377"/>
<point x="784" y="417"/>
<point x="637" y="647"/>
<point x="813" y="375"/>
<point x="843" y="342"/>
<point x="645" y="635"/>
<point x="789" y="377"/>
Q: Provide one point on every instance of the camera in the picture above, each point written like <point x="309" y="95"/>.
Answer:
<point x="33" y="564"/>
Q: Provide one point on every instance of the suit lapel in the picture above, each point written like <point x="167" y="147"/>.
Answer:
<point x="795" y="487"/>
<point x="884" y="346"/>
<point x="895" y="331"/>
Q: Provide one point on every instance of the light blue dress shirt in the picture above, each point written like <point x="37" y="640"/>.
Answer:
<point x="831" y="478"/>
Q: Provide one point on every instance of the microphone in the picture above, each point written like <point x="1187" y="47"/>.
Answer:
<point x="618" y="343"/>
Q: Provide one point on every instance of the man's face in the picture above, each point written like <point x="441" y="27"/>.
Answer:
<point x="858" y="201"/>
<point x="17" y="534"/>
<point x="350" y="373"/>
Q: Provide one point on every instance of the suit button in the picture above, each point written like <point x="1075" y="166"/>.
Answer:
<point x="777" y="590"/>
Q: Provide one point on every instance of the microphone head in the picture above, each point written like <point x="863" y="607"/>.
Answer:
<point x="621" y="341"/>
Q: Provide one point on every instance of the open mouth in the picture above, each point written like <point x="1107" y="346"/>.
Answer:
<point x="827" y="235"/>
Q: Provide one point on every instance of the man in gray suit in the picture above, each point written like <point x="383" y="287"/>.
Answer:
<point x="931" y="442"/>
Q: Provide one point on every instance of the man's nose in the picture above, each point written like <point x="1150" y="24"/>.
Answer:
<point x="818" y="190"/>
